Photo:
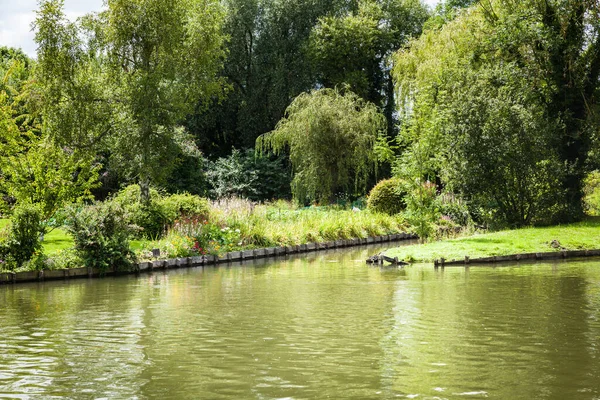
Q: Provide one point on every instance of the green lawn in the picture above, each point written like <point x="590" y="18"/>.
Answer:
<point x="579" y="236"/>
<point x="56" y="240"/>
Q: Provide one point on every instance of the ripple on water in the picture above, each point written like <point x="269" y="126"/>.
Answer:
<point x="308" y="328"/>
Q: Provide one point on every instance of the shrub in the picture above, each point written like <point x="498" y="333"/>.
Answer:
<point x="161" y="211"/>
<point x="387" y="197"/>
<point x="455" y="209"/>
<point x="101" y="234"/>
<point x="185" y="205"/>
<point x="422" y="209"/>
<point x="23" y="239"/>
<point x="591" y="190"/>
<point x="242" y="174"/>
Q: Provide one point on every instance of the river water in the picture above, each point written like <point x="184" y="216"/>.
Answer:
<point x="320" y="326"/>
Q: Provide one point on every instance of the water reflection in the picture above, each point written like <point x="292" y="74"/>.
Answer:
<point x="320" y="326"/>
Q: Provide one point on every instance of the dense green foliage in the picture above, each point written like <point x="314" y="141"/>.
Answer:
<point x="160" y="212"/>
<point x="591" y="190"/>
<point x="331" y="138"/>
<point x="23" y="238"/>
<point x="353" y="48"/>
<point x="135" y="79"/>
<point x="499" y="105"/>
<point x="101" y="236"/>
<point x="248" y="176"/>
<point x="387" y="197"/>
<point x="280" y="49"/>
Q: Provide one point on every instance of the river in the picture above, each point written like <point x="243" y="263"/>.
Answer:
<point x="322" y="325"/>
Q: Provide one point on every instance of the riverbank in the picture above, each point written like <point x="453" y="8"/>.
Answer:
<point x="229" y="258"/>
<point x="237" y="226"/>
<point x="583" y="235"/>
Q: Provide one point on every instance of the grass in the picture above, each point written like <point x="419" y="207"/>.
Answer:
<point x="578" y="236"/>
<point x="254" y="226"/>
<point x="57" y="239"/>
<point x="237" y="224"/>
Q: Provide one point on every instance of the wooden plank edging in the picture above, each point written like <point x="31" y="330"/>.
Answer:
<point x="551" y="255"/>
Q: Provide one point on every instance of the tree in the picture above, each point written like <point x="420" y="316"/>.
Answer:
<point x="499" y="105"/>
<point x="354" y="48"/>
<point x="143" y="67"/>
<point x="331" y="138"/>
<point x="33" y="169"/>
<point x="266" y="68"/>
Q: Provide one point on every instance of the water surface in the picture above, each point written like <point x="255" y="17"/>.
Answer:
<point x="314" y="327"/>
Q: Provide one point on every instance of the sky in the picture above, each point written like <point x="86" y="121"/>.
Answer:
<point x="16" y="17"/>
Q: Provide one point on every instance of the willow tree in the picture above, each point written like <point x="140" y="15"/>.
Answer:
<point x="136" y="69"/>
<point x="331" y="138"/>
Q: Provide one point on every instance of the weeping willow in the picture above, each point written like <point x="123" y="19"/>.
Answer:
<point x="330" y="136"/>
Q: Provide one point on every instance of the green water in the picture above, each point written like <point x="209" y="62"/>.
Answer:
<point x="314" y="327"/>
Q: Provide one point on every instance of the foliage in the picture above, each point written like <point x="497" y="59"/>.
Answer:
<point x="161" y="211"/>
<point x="422" y="209"/>
<point x="23" y="238"/>
<point x="591" y="189"/>
<point x="64" y="259"/>
<point x="353" y="49"/>
<point x="243" y="174"/>
<point x="33" y="168"/>
<point x="330" y="137"/>
<point x="188" y="175"/>
<point x="266" y="67"/>
<point x="101" y="236"/>
<point x="144" y="65"/>
<point x="455" y="209"/>
<point x="185" y="205"/>
<point x="15" y="71"/>
<point x="387" y="197"/>
<point x="497" y="104"/>
<point x="150" y="216"/>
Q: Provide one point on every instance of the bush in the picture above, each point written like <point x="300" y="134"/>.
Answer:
<point x="101" y="234"/>
<point x="23" y="238"/>
<point x="387" y="197"/>
<point x="455" y="209"/>
<point x="161" y="212"/>
<point x="244" y="175"/>
<point x="185" y="205"/>
<point x="591" y="190"/>
<point x="422" y="209"/>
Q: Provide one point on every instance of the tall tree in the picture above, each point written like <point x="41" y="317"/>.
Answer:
<point x="500" y="104"/>
<point x="354" y="48"/>
<point x="131" y="83"/>
<point x="266" y="68"/>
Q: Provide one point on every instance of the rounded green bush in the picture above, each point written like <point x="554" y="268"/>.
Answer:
<point x="161" y="211"/>
<point x="387" y="197"/>
<point x="187" y="205"/>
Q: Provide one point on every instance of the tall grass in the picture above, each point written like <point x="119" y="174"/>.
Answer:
<point x="283" y="224"/>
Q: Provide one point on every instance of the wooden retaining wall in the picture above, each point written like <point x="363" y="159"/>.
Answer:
<point x="187" y="262"/>
<point x="553" y="255"/>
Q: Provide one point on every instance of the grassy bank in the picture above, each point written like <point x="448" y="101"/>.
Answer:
<point x="579" y="236"/>
<point x="241" y="225"/>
